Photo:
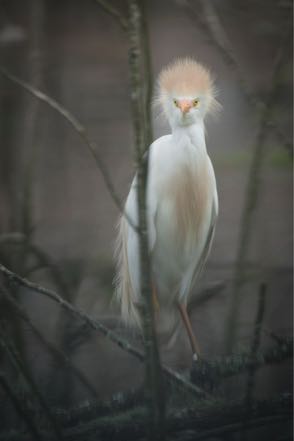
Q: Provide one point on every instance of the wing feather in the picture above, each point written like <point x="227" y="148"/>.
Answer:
<point x="210" y="235"/>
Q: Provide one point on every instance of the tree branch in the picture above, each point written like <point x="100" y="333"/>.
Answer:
<point x="154" y="384"/>
<point x="235" y="364"/>
<point x="218" y="37"/>
<point x="8" y="347"/>
<point x="20" y="408"/>
<point x="205" y="420"/>
<point x="52" y="348"/>
<point x="43" y="258"/>
<point x="111" y="10"/>
<point x="80" y="129"/>
<point x="254" y="348"/>
<point x="173" y="376"/>
<point x="210" y="291"/>
<point x="251" y="198"/>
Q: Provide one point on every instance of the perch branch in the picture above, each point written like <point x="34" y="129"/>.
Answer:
<point x="80" y="129"/>
<point x="236" y="364"/>
<point x="206" y="420"/>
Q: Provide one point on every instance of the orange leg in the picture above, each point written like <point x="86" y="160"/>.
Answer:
<point x="187" y="323"/>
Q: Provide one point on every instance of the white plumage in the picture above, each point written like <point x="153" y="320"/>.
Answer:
<point x="182" y="203"/>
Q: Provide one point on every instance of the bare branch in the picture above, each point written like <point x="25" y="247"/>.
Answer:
<point x="256" y="338"/>
<point x="174" y="377"/>
<point x="30" y="117"/>
<point x="111" y="10"/>
<point x="8" y="347"/>
<point x="147" y="79"/>
<point x="13" y="237"/>
<point x="251" y="198"/>
<point x="212" y="290"/>
<point x="154" y="384"/>
<point x="79" y="128"/>
<point x="20" y="408"/>
<point x="218" y="37"/>
<point x="43" y="258"/>
<point x="52" y="348"/>
<point x="254" y="348"/>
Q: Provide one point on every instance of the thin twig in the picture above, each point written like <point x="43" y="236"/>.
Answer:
<point x="251" y="199"/>
<point x="256" y="339"/>
<point x="111" y="10"/>
<point x="218" y="37"/>
<point x="174" y="377"/>
<point x="80" y="129"/>
<point x="253" y="352"/>
<point x="146" y="60"/>
<point x="147" y="79"/>
<point x="8" y="347"/>
<point x="31" y="112"/>
<point x="20" y="408"/>
<point x="212" y="290"/>
<point x="14" y="236"/>
<point x="52" y="348"/>
<point x="43" y="258"/>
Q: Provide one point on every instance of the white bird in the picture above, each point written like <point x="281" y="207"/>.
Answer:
<point x="182" y="203"/>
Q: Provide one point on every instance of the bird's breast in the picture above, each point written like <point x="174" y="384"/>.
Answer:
<point x="186" y="196"/>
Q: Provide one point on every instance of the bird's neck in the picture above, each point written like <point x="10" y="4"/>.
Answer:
<point x="193" y="134"/>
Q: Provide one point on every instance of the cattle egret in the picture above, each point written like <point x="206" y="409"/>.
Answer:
<point x="182" y="204"/>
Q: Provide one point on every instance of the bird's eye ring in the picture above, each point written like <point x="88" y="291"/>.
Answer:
<point x="176" y="103"/>
<point x="195" y="102"/>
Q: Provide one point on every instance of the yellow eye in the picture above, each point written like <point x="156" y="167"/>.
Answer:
<point x="195" y="102"/>
<point x="176" y="103"/>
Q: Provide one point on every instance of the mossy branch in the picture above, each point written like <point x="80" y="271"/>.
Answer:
<point x="154" y="384"/>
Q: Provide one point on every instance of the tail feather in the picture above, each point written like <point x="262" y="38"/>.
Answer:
<point x="167" y="318"/>
<point x="123" y="286"/>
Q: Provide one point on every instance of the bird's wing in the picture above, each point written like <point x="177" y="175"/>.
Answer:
<point x="152" y="204"/>
<point x="213" y="218"/>
<point x="159" y="146"/>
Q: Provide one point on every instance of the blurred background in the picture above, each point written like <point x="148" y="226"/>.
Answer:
<point x="57" y="219"/>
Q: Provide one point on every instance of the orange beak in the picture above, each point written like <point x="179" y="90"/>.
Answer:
<point x="185" y="105"/>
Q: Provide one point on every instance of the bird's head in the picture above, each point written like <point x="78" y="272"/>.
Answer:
<point x="186" y="92"/>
